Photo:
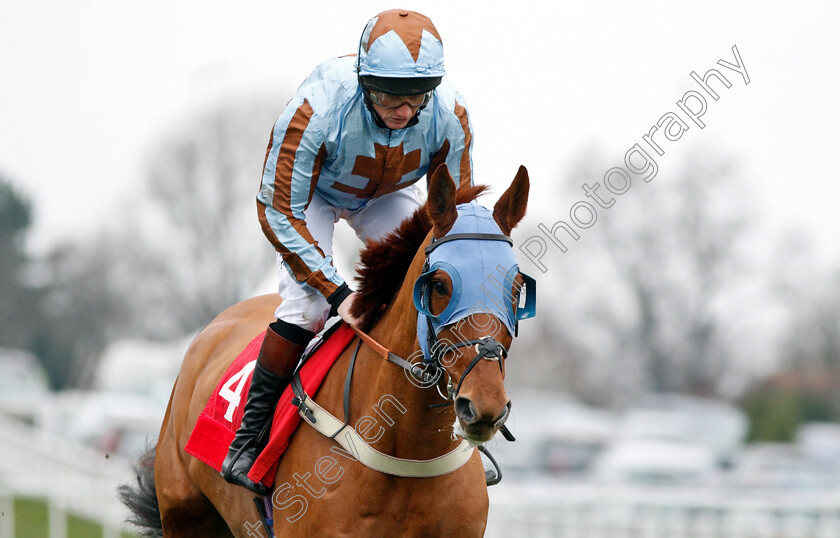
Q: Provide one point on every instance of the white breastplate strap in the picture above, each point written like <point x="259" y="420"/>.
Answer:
<point x="368" y="456"/>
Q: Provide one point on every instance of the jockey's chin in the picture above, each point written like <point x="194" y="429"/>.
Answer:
<point x="394" y="124"/>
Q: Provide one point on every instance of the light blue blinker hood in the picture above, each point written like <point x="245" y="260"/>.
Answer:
<point x="482" y="271"/>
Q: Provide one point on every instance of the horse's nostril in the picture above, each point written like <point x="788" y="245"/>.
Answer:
<point x="500" y="420"/>
<point x="465" y="410"/>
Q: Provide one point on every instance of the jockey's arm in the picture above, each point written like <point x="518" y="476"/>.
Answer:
<point x="461" y="158"/>
<point x="455" y="144"/>
<point x="293" y="161"/>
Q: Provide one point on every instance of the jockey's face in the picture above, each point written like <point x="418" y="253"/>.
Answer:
<point x="395" y="118"/>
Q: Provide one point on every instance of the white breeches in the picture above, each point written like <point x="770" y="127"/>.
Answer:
<point x="309" y="309"/>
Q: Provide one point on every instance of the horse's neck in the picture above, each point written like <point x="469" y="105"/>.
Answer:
<point x="420" y="432"/>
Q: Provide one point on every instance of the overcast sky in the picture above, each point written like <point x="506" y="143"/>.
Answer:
<point x="86" y="87"/>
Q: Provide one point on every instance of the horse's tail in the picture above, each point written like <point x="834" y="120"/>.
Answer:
<point x="141" y="499"/>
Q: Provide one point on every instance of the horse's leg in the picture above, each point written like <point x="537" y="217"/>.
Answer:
<point x="236" y="504"/>
<point x="184" y="511"/>
<point x="194" y="500"/>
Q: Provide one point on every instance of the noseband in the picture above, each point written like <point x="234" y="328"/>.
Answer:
<point x="486" y="348"/>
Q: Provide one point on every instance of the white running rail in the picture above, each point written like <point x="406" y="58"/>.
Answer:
<point x="70" y="478"/>
<point x="591" y="511"/>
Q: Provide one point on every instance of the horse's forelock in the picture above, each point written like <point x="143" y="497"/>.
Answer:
<point x="383" y="264"/>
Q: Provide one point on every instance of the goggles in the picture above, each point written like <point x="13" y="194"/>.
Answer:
<point x="386" y="100"/>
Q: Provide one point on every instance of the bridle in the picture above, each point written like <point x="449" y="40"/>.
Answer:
<point x="487" y="348"/>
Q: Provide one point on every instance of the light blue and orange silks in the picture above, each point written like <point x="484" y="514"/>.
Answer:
<point x="327" y="144"/>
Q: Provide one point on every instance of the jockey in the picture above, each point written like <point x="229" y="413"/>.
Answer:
<point x="351" y="144"/>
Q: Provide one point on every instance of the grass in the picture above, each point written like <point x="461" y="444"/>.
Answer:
<point x="31" y="518"/>
<point x="32" y="521"/>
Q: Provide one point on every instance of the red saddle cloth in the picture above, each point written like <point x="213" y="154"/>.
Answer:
<point x="218" y="422"/>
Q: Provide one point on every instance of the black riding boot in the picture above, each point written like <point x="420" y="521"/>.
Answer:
<point x="283" y="345"/>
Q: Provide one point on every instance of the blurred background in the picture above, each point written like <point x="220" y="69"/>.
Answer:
<point x="682" y="377"/>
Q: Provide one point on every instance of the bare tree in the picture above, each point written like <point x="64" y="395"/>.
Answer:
<point x="15" y="295"/>
<point x="813" y="340"/>
<point x="80" y="311"/>
<point x="643" y="292"/>
<point x="677" y="256"/>
<point x="201" y="246"/>
<point x="545" y="357"/>
<point x="178" y="254"/>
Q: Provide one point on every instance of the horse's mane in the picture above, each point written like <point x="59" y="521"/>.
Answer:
<point x="384" y="263"/>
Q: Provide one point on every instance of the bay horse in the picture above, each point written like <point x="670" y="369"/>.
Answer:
<point x="318" y="492"/>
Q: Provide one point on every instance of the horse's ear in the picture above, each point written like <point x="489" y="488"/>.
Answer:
<point x="441" y="201"/>
<point x="510" y="208"/>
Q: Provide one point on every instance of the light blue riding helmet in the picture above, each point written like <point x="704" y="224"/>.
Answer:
<point x="400" y="53"/>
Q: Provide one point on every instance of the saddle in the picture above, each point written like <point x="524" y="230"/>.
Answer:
<point x="217" y="424"/>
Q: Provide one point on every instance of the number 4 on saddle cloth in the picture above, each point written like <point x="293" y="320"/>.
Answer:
<point x="216" y="426"/>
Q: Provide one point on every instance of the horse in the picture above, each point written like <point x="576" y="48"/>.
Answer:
<point x="318" y="492"/>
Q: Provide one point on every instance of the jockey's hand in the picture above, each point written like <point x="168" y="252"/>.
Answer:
<point x="344" y="310"/>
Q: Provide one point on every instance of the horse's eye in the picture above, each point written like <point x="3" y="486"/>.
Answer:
<point x="439" y="287"/>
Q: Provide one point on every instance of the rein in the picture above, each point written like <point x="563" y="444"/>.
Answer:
<point x="389" y="356"/>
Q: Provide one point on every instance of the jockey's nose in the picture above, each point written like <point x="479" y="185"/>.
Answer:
<point x="405" y="111"/>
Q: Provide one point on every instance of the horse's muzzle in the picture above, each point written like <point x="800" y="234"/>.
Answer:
<point x="469" y="416"/>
